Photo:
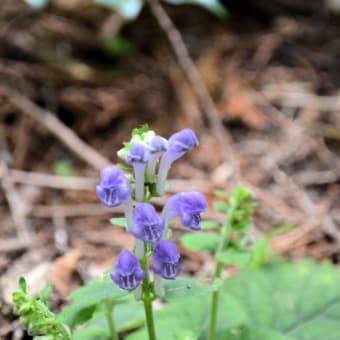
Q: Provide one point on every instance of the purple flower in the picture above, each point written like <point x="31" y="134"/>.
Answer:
<point x="186" y="205"/>
<point x="114" y="187"/>
<point x="147" y="225"/>
<point x="138" y="156"/>
<point x="128" y="273"/>
<point x="165" y="260"/>
<point x="157" y="147"/>
<point x="179" y="143"/>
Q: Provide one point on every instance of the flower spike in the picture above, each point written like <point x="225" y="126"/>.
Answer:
<point x="165" y="260"/>
<point x="128" y="273"/>
<point x="179" y="143"/>
<point x="138" y="156"/>
<point x="147" y="225"/>
<point x="186" y="205"/>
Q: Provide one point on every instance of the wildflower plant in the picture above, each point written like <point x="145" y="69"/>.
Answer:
<point x="154" y="257"/>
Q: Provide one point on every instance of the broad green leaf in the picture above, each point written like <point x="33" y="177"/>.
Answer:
<point x="92" y="333"/>
<point x="220" y="207"/>
<point x="127" y="316"/>
<point x="119" y="221"/>
<point x="234" y="257"/>
<point x="212" y="5"/>
<point x="201" y="242"/>
<point x="210" y="224"/>
<point x="129" y="9"/>
<point x="183" y="288"/>
<point x="292" y="301"/>
<point x="85" y="300"/>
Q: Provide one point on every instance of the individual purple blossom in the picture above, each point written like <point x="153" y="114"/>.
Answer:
<point x="165" y="260"/>
<point x="128" y="273"/>
<point x="179" y="143"/>
<point x="114" y="187"/>
<point x="157" y="147"/>
<point x="186" y="205"/>
<point x="138" y="156"/>
<point x="147" y="225"/>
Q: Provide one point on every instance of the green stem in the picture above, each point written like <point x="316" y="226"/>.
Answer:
<point x="148" y="298"/>
<point x="110" y="321"/>
<point x="217" y="274"/>
<point x="149" y="318"/>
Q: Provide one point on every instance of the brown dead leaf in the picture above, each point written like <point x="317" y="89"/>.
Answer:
<point x="63" y="271"/>
<point x="236" y="104"/>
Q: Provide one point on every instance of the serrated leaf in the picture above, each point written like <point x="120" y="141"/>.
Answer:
<point x="220" y="207"/>
<point x="184" y="288"/>
<point x="201" y="242"/>
<point x="234" y="257"/>
<point x="119" y="221"/>
<point x="210" y="224"/>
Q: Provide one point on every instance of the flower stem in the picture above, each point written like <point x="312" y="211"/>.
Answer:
<point x="109" y="318"/>
<point x="147" y="298"/>
<point x="217" y="274"/>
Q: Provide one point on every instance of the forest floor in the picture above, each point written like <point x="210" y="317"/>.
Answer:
<point x="275" y="84"/>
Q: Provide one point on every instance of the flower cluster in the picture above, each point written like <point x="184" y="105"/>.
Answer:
<point x="150" y="157"/>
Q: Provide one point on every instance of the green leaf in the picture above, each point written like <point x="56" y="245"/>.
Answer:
<point x="221" y="194"/>
<point x="184" y="288"/>
<point x="92" y="333"/>
<point x="220" y="207"/>
<point x="234" y="257"/>
<point x="127" y="316"/>
<point x="45" y="293"/>
<point x="119" y="221"/>
<point x="22" y="284"/>
<point x="118" y="46"/>
<point x="292" y="301"/>
<point x="212" y="5"/>
<point x="129" y="9"/>
<point x="210" y="224"/>
<point x="124" y="166"/>
<point x="85" y="300"/>
<point x="260" y="251"/>
<point x="201" y="242"/>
